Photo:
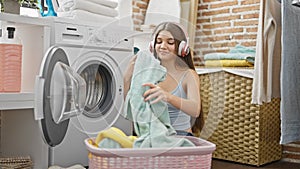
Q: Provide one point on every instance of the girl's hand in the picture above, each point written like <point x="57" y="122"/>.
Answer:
<point x="154" y="92"/>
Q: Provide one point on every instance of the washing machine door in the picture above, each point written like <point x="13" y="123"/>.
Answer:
<point x="60" y="94"/>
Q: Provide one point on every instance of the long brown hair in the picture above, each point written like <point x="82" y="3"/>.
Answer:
<point x="179" y="35"/>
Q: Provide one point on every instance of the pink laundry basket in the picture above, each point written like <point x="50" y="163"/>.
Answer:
<point x="198" y="157"/>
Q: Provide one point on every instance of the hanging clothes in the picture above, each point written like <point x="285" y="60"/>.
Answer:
<point x="266" y="81"/>
<point x="290" y="73"/>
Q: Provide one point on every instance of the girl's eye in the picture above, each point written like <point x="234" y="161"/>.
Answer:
<point x="171" y="42"/>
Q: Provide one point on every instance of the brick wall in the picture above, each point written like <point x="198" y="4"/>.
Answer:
<point x="222" y="24"/>
<point x="139" y="11"/>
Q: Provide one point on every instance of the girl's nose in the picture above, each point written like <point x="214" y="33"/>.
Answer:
<point x="163" y="44"/>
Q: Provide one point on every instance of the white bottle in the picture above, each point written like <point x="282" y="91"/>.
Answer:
<point x="10" y="61"/>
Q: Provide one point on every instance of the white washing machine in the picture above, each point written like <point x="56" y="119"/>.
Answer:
<point x="79" y="90"/>
<point x="78" y="93"/>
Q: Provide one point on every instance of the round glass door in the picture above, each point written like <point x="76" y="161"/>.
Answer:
<point x="104" y="91"/>
<point x="60" y="93"/>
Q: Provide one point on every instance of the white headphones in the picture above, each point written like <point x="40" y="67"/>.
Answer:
<point x="183" y="48"/>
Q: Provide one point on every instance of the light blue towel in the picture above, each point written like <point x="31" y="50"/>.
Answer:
<point x="151" y="121"/>
<point x="238" y="53"/>
<point x="290" y="73"/>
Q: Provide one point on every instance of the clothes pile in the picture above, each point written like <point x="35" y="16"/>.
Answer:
<point x="239" y="56"/>
<point x="88" y="10"/>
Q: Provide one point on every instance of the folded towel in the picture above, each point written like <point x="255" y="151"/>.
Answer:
<point x="86" y="16"/>
<point x="114" y="138"/>
<point x="229" y="56"/>
<point x="151" y="121"/>
<point x="108" y="3"/>
<point x="243" y="49"/>
<point x="239" y="52"/>
<point x="70" y="5"/>
<point x="228" y="63"/>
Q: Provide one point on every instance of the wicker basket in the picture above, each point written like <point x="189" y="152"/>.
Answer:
<point x="242" y="132"/>
<point x="16" y="163"/>
<point x="198" y="157"/>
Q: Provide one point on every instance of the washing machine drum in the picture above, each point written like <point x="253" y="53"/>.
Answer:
<point x="62" y="93"/>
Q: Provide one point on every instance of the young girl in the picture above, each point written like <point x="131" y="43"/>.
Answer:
<point x="180" y="89"/>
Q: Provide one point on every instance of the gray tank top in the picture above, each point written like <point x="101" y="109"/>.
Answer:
<point x="179" y="119"/>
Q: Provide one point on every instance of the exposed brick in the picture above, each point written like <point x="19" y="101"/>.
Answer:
<point x="251" y="29"/>
<point x="223" y="44"/>
<point x="216" y="38"/>
<point x="201" y="46"/>
<point x="201" y="33"/>
<point x="215" y="12"/>
<point x="251" y="16"/>
<point x="142" y="5"/>
<point x="135" y="10"/>
<point x="244" y="36"/>
<point x="249" y="44"/>
<point x="219" y="25"/>
<point x="201" y="7"/>
<point x="246" y="23"/>
<point x="248" y="2"/>
<point x="245" y="9"/>
<point x="226" y="18"/>
<point x="223" y="3"/>
<point x="203" y="20"/>
<point x="205" y="1"/>
<point x="230" y="30"/>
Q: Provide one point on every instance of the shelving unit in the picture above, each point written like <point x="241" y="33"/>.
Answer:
<point x="33" y="51"/>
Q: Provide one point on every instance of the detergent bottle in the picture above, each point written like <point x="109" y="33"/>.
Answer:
<point x="10" y="61"/>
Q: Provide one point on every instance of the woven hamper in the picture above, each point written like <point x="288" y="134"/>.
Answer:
<point x="243" y="132"/>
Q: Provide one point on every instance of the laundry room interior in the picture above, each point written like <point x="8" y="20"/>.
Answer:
<point x="66" y="101"/>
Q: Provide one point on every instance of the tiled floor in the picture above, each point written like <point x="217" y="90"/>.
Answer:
<point x="221" y="164"/>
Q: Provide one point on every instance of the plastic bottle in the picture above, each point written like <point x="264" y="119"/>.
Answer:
<point x="10" y="62"/>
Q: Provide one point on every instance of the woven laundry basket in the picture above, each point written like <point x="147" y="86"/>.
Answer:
<point x="198" y="157"/>
<point x="16" y="163"/>
<point x="243" y="132"/>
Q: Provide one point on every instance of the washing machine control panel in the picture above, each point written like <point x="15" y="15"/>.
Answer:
<point x="108" y="37"/>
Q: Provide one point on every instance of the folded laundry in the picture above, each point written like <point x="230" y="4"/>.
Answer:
<point x="243" y="49"/>
<point x="229" y="56"/>
<point x="228" y="63"/>
<point x="108" y="3"/>
<point x="86" y="16"/>
<point x="239" y="52"/>
<point x="70" y="5"/>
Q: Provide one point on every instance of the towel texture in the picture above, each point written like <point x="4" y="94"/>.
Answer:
<point x="82" y="15"/>
<point x="108" y="3"/>
<point x="239" y="52"/>
<point x="229" y="56"/>
<point x="228" y="63"/>
<point x="70" y="5"/>
<point x="266" y="81"/>
<point x="290" y="73"/>
<point x="151" y="121"/>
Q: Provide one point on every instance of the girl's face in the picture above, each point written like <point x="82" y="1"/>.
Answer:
<point x="165" y="45"/>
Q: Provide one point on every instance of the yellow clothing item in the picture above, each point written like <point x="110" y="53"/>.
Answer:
<point x="228" y="63"/>
<point x="116" y="135"/>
